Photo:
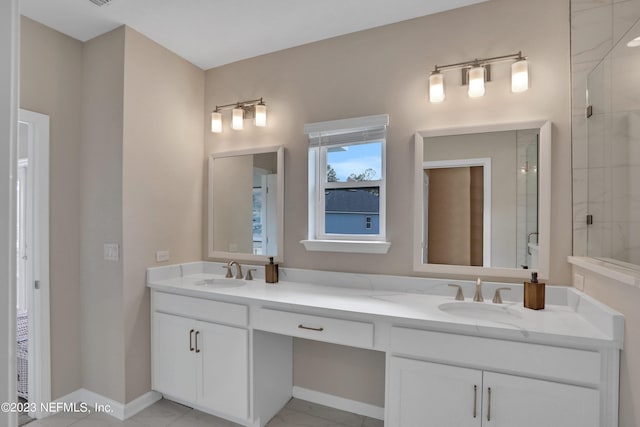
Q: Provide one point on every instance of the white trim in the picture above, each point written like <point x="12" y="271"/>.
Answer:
<point x="346" y="125"/>
<point x="350" y="246"/>
<point x="38" y="257"/>
<point x="485" y="162"/>
<point x="544" y="202"/>
<point x="250" y="257"/>
<point x="9" y="100"/>
<point x="118" y="410"/>
<point x="141" y="403"/>
<point x="337" y="402"/>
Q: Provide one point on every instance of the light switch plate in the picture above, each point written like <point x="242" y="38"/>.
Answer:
<point x="578" y="281"/>
<point x="162" y="255"/>
<point x="111" y="252"/>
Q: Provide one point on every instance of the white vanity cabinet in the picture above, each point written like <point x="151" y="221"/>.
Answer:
<point x="199" y="362"/>
<point x="433" y="394"/>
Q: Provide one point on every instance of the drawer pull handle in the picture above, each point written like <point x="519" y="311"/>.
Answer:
<point x="310" y="328"/>
<point x="191" y="340"/>
<point x="475" y="400"/>
<point x="197" y="349"/>
<point x="489" y="404"/>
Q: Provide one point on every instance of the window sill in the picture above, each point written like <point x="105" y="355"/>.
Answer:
<point x="350" y="246"/>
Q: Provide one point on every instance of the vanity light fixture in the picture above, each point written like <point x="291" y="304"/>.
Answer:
<point x="476" y="73"/>
<point x="252" y="109"/>
<point x="634" y="43"/>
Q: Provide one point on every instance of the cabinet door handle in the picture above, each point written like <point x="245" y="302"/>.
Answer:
<point x="197" y="349"/>
<point x="488" y="403"/>
<point x="191" y="340"/>
<point x="475" y="400"/>
<point x="310" y="328"/>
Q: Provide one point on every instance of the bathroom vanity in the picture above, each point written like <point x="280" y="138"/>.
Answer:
<point x="224" y="346"/>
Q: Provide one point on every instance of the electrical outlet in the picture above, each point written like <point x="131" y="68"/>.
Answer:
<point x="162" y="255"/>
<point x="111" y="252"/>
<point x="578" y="281"/>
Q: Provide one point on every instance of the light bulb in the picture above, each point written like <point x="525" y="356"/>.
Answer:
<point x="261" y="115"/>
<point x="519" y="76"/>
<point x="237" y="118"/>
<point x="436" y="87"/>
<point x="476" y="82"/>
<point x="216" y="122"/>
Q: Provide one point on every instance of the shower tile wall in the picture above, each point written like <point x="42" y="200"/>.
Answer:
<point x="600" y="182"/>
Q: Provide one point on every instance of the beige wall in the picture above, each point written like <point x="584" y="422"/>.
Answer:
<point x="625" y="299"/>
<point x="162" y="179"/>
<point x="101" y="215"/>
<point x="385" y="70"/>
<point x="51" y="84"/>
<point x="126" y="168"/>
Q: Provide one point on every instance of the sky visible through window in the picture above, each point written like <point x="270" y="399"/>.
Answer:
<point x="355" y="160"/>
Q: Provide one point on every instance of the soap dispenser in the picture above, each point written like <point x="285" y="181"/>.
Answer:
<point x="534" y="293"/>
<point x="271" y="272"/>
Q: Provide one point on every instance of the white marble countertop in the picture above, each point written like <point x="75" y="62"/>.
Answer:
<point x="576" y="320"/>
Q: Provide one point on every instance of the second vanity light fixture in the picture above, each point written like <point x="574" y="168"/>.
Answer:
<point x="478" y="71"/>
<point x="241" y="110"/>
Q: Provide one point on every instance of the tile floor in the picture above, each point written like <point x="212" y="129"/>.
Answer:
<point x="165" y="413"/>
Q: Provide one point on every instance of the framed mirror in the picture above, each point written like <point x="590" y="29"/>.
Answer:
<point x="482" y="200"/>
<point x="246" y="204"/>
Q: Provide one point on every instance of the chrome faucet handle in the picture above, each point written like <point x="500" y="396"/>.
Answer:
<point x="228" y="275"/>
<point x="249" y="276"/>
<point x="497" y="298"/>
<point x="478" y="295"/>
<point x="459" y="294"/>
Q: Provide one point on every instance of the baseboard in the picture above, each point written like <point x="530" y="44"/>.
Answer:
<point x="337" y="402"/>
<point x="141" y="403"/>
<point x="99" y="403"/>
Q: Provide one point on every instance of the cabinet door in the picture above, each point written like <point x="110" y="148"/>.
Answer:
<point x="173" y="361"/>
<point x="224" y="363"/>
<point x="525" y="402"/>
<point x="429" y="394"/>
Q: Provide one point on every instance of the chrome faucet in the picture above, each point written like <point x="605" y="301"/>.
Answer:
<point x="238" y="269"/>
<point x="478" y="295"/>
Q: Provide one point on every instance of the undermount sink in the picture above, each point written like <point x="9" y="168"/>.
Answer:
<point x="481" y="311"/>
<point x="221" y="283"/>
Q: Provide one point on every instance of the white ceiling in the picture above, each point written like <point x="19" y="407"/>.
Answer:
<point x="210" y="33"/>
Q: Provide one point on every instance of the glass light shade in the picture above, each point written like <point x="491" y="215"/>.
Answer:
<point x="519" y="76"/>
<point x="436" y="87"/>
<point x="216" y="122"/>
<point x="476" y="82"/>
<point x="237" y="118"/>
<point x="261" y="115"/>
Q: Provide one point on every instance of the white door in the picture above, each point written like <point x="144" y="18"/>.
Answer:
<point x="524" y="402"/>
<point x="423" y="394"/>
<point x="224" y="377"/>
<point x="33" y="151"/>
<point x="174" y="357"/>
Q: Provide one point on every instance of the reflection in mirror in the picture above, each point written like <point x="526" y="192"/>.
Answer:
<point x="480" y="200"/>
<point x="245" y="195"/>
<point x="481" y="211"/>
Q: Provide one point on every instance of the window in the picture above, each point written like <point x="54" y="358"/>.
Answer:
<point x="347" y="185"/>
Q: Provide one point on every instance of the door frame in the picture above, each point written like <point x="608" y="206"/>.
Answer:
<point x="39" y="361"/>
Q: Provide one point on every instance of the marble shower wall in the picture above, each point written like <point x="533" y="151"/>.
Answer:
<point x="606" y="158"/>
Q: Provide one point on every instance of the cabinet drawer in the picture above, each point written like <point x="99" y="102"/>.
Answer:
<point x="319" y="328"/>
<point x="563" y="364"/>
<point x="202" y="309"/>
